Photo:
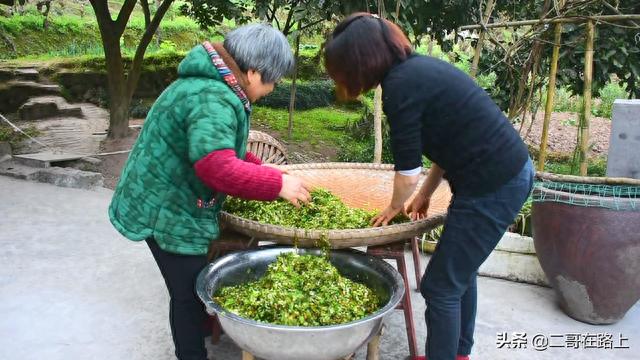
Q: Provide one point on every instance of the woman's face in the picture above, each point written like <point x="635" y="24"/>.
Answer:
<point x="256" y="89"/>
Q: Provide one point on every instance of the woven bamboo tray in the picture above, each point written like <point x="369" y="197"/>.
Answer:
<point x="366" y="186"/>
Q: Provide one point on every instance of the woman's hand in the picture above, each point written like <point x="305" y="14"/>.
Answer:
<point x="294" y="190"/>
<point x="418" y="207"/>
<point x="385" y="216"/>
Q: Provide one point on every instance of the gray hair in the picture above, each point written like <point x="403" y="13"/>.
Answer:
<point x="262" y="48"/>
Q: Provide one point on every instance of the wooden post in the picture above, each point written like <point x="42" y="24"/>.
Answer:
<point x="292" y="97"/>
<point x="551" y="93"/>
<point x="377" y="110"/>
<point x="377" y="125"/>
<point x="476" y="57"/>
<point x="583" y="131"/>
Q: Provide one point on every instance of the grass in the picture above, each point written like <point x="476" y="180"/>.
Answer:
<point x="72" y="35"/>
<point x="596" y="167"/>
<point x="13" y="137"/>
<point x="326" y="124"/>
<point x="155" y="61"/>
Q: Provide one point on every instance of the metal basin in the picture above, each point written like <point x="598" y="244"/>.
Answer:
<point x="278" y="342"/>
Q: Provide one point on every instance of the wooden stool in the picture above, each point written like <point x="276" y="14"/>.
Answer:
<point x="395" y="251"/>
<point x="228" y="242"/>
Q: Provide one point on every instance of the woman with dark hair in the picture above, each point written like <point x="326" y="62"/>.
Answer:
<point x="434" y="109"/>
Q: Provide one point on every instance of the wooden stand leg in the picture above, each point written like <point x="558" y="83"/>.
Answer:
<point x="373" y="347"/>
<point x="406" y="305"/>
<point x="247" y="356"/>
<point x="415" y="250"/>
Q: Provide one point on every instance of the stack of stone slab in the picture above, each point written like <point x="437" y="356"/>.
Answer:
<point x="624" y="146"/>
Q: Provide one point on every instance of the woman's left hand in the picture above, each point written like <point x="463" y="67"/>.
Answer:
<point x="385" y="216"/>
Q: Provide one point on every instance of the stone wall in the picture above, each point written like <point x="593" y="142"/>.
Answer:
<point x="515" y="259"/>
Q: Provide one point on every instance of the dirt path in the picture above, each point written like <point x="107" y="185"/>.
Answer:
<point x="563" y="131"/>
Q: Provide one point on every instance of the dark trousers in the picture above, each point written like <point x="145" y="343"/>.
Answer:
<point x="186" y="312"/>
<point x="472" y="230"/>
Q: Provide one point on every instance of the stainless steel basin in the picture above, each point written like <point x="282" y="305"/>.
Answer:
<point x="278" y="342"/>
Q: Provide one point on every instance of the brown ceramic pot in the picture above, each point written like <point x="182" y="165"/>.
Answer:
<point x="591" y="255"/>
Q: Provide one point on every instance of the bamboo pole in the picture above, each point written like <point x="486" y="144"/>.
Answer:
<point x="583" y="131"/>
<point x="562" y="20"/>
<point x="587" y="179"/>
<point x="551" y="93"/>
<point x="377" y="111"/>
<point x="476" y="57"/>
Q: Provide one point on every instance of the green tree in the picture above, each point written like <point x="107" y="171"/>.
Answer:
<point x="122" y="79"/>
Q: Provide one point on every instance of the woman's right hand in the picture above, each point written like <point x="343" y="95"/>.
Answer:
<point x="418" y="207"/>
<point x="294" y="190"/>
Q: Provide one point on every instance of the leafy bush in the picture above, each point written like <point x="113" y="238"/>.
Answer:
<point x="522" y="224"/>
<point x="310" y="67"/>
<point x="140" y="108"/>
<point x="309" y="95"/>
<point x="608" y="95"/>
<point x="72" y="35"/>
<point x="362" y="146"/>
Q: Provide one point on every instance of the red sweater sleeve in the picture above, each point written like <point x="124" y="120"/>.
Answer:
<point x="252" y="158"/>
<point x="222" y="171"/>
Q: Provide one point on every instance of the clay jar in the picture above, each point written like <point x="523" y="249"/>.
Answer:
<point x="590" y="254"/>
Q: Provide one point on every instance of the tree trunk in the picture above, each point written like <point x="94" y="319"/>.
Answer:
<point x="583" y="131"/>
<point x="119" y="100"/>
<point x="119" y="116"/>
<point x="476" y="56"/>
<point x="292" y="100"/>
<point x="158" y="33"/>
<point x="377" y="125"/>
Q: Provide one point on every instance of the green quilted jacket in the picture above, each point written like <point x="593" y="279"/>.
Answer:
<point x="158" y="191"/>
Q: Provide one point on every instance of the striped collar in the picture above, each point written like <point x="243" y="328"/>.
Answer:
<point x="227" y="75"/>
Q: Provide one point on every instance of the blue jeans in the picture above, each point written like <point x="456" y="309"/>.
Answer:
<point x="472" y="230"/>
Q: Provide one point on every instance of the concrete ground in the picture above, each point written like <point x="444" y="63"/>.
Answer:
<point x="72" y="288"/>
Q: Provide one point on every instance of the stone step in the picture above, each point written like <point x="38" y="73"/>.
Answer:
<point x="64" y="177"/>
<point x="15" y="93"/>
<point x="45" y="159"/>
<point x="43" y="107"/>
<point x="5" y="150"/>
<point x="22" y="74"/>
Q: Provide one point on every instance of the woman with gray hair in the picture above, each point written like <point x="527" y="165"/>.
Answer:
<point x="190" y="155"/>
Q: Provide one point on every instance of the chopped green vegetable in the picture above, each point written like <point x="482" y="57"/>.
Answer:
<point x="300" y="290"/>
<point x="325" y="211"/>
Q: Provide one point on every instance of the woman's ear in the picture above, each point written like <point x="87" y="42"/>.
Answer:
<point x="251" y="76"/>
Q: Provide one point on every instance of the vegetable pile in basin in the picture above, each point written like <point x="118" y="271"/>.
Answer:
<point x="300" y="290"/>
